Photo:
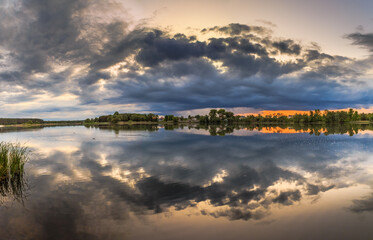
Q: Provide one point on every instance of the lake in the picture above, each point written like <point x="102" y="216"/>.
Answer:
<point x="153" y="182"/>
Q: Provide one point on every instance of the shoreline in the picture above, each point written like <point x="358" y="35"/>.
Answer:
<point x="27" y="125"/>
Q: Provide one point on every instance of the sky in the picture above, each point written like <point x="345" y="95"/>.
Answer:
<point x="74" y="59"/>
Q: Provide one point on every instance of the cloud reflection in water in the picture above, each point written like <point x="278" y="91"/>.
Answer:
<point x="96" y="191"/>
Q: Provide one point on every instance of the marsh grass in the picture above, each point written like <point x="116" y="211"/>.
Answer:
<point x="12" y="162"/>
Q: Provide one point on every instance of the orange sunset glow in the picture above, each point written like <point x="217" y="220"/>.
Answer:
<point x="293" y="112"/>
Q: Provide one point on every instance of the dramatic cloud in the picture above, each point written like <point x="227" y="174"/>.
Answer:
<point x="92" y="50"/>
<point x="362" y="39"/>
<point x="362" y="205"/>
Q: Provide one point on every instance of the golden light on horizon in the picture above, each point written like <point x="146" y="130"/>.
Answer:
<point x="293" y="112"/>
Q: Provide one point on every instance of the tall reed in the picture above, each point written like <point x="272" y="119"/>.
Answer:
<point x="12" y="161"/>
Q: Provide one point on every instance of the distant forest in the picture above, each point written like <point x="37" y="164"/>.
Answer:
<point x="15" y="121"/>
<point x="12" y="121"/>
<point x="222" y="116"/>
<point x="316" y="116"/>
<point x="124" y="117"/>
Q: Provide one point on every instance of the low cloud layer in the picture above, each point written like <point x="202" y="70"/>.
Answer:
<point x="93" y="51"/>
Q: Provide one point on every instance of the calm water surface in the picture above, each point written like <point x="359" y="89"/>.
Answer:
<point x="152" y="183"/>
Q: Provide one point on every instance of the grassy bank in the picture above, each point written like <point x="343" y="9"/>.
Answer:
<point x="46" y="124"/>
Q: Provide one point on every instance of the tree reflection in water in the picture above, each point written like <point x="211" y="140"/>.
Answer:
<point x="222" y="130"/>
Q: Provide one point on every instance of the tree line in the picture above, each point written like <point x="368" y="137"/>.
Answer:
<point x="316" y="116"/>
<point x="124" y="117"/>
<point x="221" y="116"/>
<point x="12" y="121"/>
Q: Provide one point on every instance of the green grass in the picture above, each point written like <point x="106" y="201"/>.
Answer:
<point x="12" y="161"/>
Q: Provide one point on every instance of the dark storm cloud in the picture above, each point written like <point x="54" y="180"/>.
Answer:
<point x="67" y="47"/>
<point x="247" y="77"/>
<point x="206" y="87"/>
<point x="236" y="53"/>
<point x="234" y="214"/>
<point x="330" y="71"/>
<point x="52" y="109"/>
<point x="288" y="46"/>
<point x="121" y="46"/>
<point x="158" y="49"/>
<point x="362" y="39"/>
<point x="235" y="29"/>
<point x="315" y="189"/>
<point x="10" y="76"/>
<point x="43" y="30"/>
<point x="316" y="55"/>
<point x="40" y="34"/>
<point x="362" y="205"/>
<point x="288" y="198"/>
